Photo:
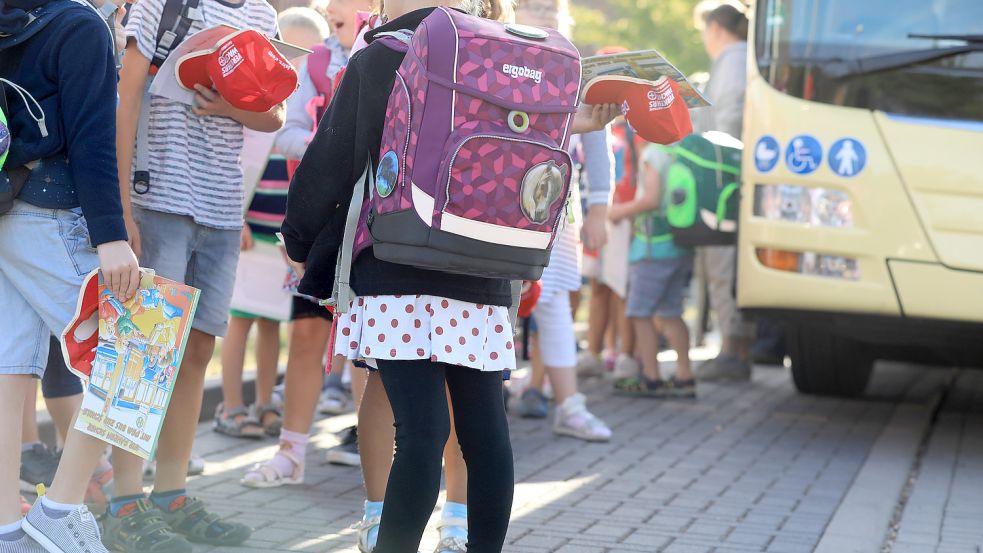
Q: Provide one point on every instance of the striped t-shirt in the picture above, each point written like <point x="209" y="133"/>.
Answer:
<point x="194" y="161"/>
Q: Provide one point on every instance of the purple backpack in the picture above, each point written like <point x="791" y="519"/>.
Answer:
<point x="473" y="172"/>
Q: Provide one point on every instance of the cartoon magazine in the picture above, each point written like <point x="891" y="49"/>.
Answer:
<point x="132" y="372"/>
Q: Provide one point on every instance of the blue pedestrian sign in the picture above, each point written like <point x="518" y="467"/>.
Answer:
<point x="766" y="153"/>
<point x="847" y="157"/>
<point x="804" y="154"/>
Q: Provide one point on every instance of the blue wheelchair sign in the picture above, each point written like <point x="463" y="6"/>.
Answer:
<point x="804" y="154"/>
<point x="766" y="153"/>
<point x="847" y="157"/>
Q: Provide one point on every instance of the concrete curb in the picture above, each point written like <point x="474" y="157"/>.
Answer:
<point x="863" y="519"/>
<point x="212" y="397"/>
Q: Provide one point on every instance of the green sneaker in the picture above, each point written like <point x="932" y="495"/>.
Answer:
<point x="141" y="530"/>
<point x="188" y="517"/>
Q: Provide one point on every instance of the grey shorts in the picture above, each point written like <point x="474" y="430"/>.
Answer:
<point x="656" y="287"/>
<point x="179" y="249"/>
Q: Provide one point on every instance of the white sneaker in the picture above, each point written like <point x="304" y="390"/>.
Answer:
<point x="366" y="539"/>
<point x="72" y="532"/>
<point x="626" y="366"/>
<point x="24" y="545"/>
<point x="589" y="364"/>
<point x="574" y="420"/>
<point x="335" y="401"/>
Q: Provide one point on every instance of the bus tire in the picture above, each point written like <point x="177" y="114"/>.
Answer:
<point x="827" y="364"/>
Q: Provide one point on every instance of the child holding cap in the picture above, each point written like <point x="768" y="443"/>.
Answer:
<point x="186" y="225"/>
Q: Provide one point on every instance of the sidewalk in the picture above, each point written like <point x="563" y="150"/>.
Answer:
<point x="747" y="467"/>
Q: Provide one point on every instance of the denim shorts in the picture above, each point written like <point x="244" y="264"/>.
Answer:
<point x="657" y="286"/>
<point x="45" y="255"/>
<point x="179" y="249"/>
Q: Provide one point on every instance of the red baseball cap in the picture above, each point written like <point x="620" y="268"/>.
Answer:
<point x="654" y="109"/>
<point x="244" y="67"/>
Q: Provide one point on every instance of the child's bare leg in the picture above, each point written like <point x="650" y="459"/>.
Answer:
<point x="63" y="411"/>
<point x="537" y="377"/>
<point x="13" y="392"/>
<point x="360" y="378"/>
<point x="305" y="372"/>
<point x="376" y="437"/>
<point x="29" y="421"/>
<point x="597" y="318"/>
<point x="648" y="346"/>
<point x="83" y="454"/>
<point x="455" y="470"/>
<point x="233" y="360"/>
<point x="178" y="431"/>
<point x="677" y="333"/>
<point x="626" y="332"/>
<point x="267" y="359"/>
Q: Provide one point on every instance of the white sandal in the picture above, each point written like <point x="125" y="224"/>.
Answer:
<point x="264" y="475"/>
<point x="452" y="544"/>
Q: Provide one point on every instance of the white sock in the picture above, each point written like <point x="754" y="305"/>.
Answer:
<point x="55" y="506"/>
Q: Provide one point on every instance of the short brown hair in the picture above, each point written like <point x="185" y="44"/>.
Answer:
<point x="730" y="18"/>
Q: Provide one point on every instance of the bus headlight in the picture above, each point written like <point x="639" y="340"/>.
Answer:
<point x="807" y="205"/>
<point x="809" y="263"/>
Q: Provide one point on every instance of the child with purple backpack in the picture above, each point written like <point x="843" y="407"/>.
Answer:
<point x="429" y="319"/>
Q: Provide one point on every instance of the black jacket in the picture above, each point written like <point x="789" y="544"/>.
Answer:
<point x="322" y="187"/>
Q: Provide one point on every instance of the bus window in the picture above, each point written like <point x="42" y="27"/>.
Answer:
<point x="912" y="57"/>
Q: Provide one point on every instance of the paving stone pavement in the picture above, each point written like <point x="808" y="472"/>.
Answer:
<point x="944" y="509"/>
<point x="750" y="467"/>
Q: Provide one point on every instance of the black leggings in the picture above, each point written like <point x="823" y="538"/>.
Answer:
<point x="416" y="392"/>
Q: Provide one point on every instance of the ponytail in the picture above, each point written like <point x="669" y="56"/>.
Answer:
<point x="730" y="18"/>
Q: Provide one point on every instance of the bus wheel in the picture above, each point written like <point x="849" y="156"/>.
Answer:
<point x="826" y="364"/>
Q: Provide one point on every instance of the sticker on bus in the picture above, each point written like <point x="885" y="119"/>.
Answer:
<point x="766" y="153"/>
<point x="847" y="157"/>
<point x="804" y="154"/>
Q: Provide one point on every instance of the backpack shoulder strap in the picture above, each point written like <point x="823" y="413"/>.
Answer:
<point x="175" y="22"/>
<point x="318" y="63"/>
<point x="396" y="40"/>
<point x="342" y="294"/>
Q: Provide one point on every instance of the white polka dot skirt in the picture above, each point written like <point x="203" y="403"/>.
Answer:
<point x="427" y="327"/>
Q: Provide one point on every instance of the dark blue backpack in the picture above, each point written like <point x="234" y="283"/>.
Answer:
<point x="12" y="179"/>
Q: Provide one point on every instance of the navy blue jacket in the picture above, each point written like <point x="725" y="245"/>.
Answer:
<point x="69" y="68"/>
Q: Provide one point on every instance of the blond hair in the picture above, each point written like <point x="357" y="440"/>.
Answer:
<point x="305" y="18"/>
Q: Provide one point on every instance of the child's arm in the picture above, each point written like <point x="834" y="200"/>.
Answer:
<point x="598" y="163"/>
<point x="648" y="200"/>
<point x="209" y="102"/>
<point x="323" y="183"/>
<point x="132" y="81"/>
<point x="297" y="131"/>
<point x="86" y="63"/>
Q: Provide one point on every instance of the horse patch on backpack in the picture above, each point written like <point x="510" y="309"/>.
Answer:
<point x="541" y="187"/>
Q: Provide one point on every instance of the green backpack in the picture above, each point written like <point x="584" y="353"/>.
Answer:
<point x="702" y="190"/>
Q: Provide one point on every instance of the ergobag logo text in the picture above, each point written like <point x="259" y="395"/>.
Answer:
<point x="484" y="195"/>
<point x="516" y="71"/>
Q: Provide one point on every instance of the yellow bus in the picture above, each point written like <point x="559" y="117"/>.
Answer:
<point x="862" y="212"/>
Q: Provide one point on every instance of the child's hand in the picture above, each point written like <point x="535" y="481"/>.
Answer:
<point x="133" y="231"/>
<point x="209" y="102"/>
<point x="246" y="239"/>
<point x="594" y="117"/>
<point x="120" y="269"/>
<point x="299" y="268"/>
<point x="595" y="231"/>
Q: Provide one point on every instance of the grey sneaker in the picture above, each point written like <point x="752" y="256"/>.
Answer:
<point x="533" y="404"/>
<point x="64" y="531"/>
<point x="724" y="367"/>
<point x="37" y="466"/>
<point x="23" y="544"/>
<point x="335" y="401"/>
<point x="141" y="530"/>
<point x="346" y="453"/>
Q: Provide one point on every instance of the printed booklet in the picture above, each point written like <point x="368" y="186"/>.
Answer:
<point x="141" y="344"/>
<point x="643" y="66"/>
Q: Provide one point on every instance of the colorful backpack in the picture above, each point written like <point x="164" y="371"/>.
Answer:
<point x="473" y="171"/>
<point x="702" y="190"/>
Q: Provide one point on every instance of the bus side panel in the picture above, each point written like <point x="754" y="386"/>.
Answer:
<point x="885" y="225"/>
